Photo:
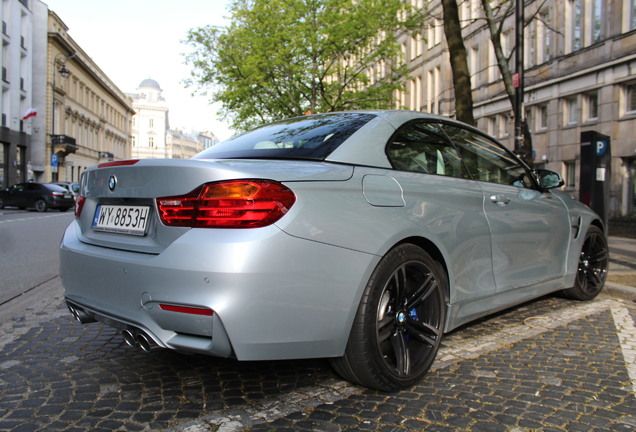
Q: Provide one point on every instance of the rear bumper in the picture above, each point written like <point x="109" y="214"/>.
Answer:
<point x="272" y="296"/>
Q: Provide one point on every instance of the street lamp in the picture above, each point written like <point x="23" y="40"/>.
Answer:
<point x="60" y="59"/>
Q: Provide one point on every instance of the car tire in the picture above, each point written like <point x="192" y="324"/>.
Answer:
<point x="399" y="323"/>
<point x="593" y="266"/>
<point x="1" y="203"/>
<point x="41" y="206"/>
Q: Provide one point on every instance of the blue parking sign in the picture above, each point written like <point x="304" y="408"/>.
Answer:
<point x="54" y="161"/>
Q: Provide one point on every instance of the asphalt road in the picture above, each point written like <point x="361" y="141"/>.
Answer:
<point x="28" y="249"/>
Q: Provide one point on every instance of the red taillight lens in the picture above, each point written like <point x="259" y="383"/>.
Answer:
<point x="228" y="204"/>
<point x="57" y="194"/>
<point x="79" y="205"/>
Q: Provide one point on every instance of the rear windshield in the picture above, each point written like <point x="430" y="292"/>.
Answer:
<point x="311" y="137"/>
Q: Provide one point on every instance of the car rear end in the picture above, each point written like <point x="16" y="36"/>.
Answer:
<point x="57" y="197"/>
<point x="192" y="255"/>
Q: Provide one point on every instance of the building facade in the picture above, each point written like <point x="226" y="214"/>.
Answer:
<point x="152" y="136"/>
<point x="16" y="103"/>
<point x="150" y="123"/>
<point x="88" y="117"/>
<point x="580" y="75"/>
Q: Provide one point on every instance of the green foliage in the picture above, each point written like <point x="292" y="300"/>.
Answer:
<point x="281" y="58"/>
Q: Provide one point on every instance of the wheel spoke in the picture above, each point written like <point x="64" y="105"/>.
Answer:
<point x="385" y="329"/>
<point x="399" y="283"/>
<point x="426" y="288"/>
<point x="424" y="332"/>
<point x="401" y="352"/>
<point x="598" y="257"/>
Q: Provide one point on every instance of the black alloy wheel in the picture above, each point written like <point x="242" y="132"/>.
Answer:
<point x="593" y="265"/>
<point x="399" y="324"/>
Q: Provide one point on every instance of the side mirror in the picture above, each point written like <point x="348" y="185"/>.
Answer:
<point x="549" y="179"/>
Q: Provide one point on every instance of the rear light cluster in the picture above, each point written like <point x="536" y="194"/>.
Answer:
<point x="79" y="205"/>
<point x="228" y="204"/>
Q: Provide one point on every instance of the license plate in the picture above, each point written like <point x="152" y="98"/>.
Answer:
<point x="121" y="219"/>
<point x="68" y="196"/>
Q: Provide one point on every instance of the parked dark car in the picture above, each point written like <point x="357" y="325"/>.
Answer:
<point x="39" y="196"/>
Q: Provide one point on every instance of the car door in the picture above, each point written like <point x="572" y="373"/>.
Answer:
<point x="16" y="195"/>
<point x="445" y="204"/>
<point x="530" y="228"/>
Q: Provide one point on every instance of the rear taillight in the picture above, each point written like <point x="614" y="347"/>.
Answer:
<point x="57" y="194"/>
<point x="79" y="205"/>
<point x="228" y="204"/>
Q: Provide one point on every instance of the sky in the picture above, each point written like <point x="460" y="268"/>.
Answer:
<point x="131" y="40"/>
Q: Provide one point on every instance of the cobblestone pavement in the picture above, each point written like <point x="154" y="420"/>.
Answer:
<point x="549" y="365"/>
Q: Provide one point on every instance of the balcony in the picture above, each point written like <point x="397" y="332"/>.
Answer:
<point x="63" y="144"/>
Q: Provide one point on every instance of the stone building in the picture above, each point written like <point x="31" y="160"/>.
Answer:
<point x="150" y="123"/>
<point x="152" y="136"/>
<point x="89" y="119"/>
<point x="580" y="75"/>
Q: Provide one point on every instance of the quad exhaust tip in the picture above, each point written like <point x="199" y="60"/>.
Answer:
<point x="138" y="339"/>
<point x="80" y="314"/>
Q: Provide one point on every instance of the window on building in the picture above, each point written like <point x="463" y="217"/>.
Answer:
<point x="591" y="106"/>
<point x="491" y="125"/>
<point x="571" y="110"/>
<point x="151" y="142"/>
<point x="502" y="125"/>
<point x="575" y="24"/>
<point x="546" y="34"/>
<point x="151" y="123"/>
<point x="529" y="119"/>
<point x="632" y="10"/>
<point x="630" y="96"/>
<point x="597" y="10"/>
<point x="570" y="175"/>
<point x="473" y="65"/>
<point x="543" y="117"/>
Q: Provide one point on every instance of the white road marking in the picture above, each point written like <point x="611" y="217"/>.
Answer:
<point x="626" y="332"/>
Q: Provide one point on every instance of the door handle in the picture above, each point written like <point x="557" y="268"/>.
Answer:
<point x="499" y="199"/>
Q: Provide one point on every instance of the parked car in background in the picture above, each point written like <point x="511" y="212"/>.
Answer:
<point x="358" y="236"/>
<point x="39" y="196"/>
<point x="70" y="186"/>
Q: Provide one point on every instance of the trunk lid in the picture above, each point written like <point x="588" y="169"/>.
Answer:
<point x="131" y="188"/>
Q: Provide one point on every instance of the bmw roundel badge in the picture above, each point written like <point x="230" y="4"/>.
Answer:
<point x="112" y="183"/>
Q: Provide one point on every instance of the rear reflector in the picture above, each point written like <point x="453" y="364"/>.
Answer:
<point x="228" y="204"/>
<point x="118" y="163"/>
<point x="186" y="310"/>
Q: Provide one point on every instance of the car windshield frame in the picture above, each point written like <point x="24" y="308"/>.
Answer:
<point x="312" y="137"/>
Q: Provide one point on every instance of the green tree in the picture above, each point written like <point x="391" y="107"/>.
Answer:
<point x="282" y="58"/>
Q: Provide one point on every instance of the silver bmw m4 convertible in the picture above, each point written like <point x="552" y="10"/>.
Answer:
<point x="358" y="236"/>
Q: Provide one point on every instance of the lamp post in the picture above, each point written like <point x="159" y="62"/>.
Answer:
<point x="60" y="59"/>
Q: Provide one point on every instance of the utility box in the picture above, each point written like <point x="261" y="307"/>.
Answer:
<point x="596" y="172"/>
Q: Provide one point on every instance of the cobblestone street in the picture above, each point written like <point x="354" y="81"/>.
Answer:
<point x="550" y="365"/>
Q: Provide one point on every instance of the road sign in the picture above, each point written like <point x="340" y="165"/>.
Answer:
<point x="54" y="160"/>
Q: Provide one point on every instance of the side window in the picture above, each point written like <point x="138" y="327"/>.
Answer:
<point x="486" y="160"/>
<point x="424" y="148"/>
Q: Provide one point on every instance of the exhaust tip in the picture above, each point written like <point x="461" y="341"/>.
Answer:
<point x="80" y="314"/>
<point x="143" y="342"/>
<point x="129" y="338"/>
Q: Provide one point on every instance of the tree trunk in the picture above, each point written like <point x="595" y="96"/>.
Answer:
<point x="459" y="63"/>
